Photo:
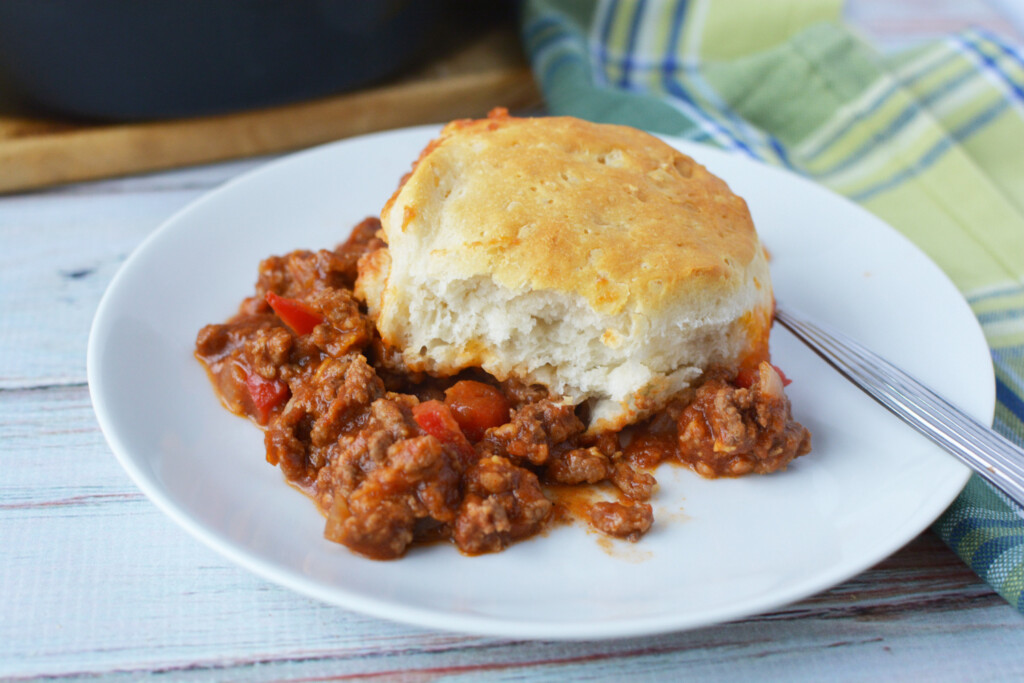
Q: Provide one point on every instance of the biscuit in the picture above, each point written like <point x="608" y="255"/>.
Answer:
<point x="593" y="259"/>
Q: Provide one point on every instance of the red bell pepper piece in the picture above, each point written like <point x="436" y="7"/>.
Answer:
<point x="436" y="419"/>
<point x="266" y="394"/>
<point x="294" y="313"/>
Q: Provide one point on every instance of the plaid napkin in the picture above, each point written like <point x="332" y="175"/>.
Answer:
<point x="931" y="141"/>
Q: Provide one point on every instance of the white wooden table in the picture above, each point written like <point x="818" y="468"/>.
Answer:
<point x="94" y="580"/>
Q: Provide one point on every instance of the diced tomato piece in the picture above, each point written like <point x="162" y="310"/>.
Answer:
<point x="476" y="407"/>
<point x="266" y="394"/>
<point x="436" y="419"/>
<point x="294" y="313"/>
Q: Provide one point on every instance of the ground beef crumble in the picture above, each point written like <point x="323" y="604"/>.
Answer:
<point x="394" y="458"/>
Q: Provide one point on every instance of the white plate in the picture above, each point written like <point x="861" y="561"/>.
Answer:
<point x="719" y="550"/>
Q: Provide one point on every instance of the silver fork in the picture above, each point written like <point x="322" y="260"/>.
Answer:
<point x="998" y="461"/>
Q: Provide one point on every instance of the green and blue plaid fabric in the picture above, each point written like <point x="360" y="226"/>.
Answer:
<point x="931" y="140"/>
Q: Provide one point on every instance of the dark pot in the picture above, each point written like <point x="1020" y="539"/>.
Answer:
<point x="144" y="59"/>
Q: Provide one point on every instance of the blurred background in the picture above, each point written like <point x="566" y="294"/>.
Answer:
<point x="112" y="87"/>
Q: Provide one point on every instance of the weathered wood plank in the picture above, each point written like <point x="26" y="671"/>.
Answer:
<point x="53" y="455"/>
<point x="67" y="253"/>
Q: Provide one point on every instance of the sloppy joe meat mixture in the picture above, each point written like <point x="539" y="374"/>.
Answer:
<point x="394" y="458"/>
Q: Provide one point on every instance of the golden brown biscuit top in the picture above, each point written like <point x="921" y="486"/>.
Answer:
<point x="603" y="211"/>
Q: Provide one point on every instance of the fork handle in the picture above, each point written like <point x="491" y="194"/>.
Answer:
<point x="997" y="460"/>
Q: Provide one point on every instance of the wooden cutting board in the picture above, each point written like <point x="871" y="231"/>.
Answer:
<point x="487" y="72"/>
